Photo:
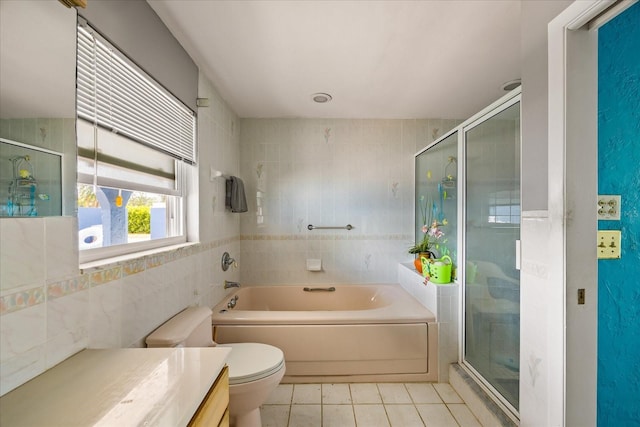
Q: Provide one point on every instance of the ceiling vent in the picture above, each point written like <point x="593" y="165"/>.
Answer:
<point x="511" y="85"/>
<point x="321" y="98"/>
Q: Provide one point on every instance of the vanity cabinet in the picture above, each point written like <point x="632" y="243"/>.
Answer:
<point x="160" y="387"/>
<point x="214" y="409"/>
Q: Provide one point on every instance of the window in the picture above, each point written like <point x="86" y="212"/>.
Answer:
<point x="136" y="149"/>
<point x="504" y="207"/>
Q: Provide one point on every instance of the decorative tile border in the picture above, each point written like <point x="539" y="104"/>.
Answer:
<point x="67" y="287"/>
<point x="101" y="277"/>
<point x="133" y="267"/>
<point x="97" y="276"/>
<point x="20" y="300"/>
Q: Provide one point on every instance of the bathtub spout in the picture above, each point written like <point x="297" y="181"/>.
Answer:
<point x="228" y="284"/>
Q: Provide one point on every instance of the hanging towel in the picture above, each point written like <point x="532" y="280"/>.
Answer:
<point x="235" y="197"/>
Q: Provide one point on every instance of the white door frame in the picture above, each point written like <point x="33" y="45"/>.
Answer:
<point x="572" y="148"/>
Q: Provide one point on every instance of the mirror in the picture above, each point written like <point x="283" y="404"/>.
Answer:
<point x="37" y="105"/>
<point x="436" y="195"/>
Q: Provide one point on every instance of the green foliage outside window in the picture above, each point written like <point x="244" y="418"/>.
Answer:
<point x="139" y="219"/>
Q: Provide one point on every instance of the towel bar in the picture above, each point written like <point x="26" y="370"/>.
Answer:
<point x="346" y="227"/>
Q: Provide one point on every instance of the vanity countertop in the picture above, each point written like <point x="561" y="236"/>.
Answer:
<point x="117" y="387"/>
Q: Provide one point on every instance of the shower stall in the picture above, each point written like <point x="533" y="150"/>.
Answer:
<point x="469" y="181"/>
<point x="491" y="288"/>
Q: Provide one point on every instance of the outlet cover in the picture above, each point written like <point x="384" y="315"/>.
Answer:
<point x="609" y="244"/>
<point x="609" y="207"/>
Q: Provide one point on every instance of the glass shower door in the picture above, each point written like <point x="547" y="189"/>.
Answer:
<point x="492" y="231"/>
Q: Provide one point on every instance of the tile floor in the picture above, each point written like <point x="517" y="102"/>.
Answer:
<point x="366" y="405"/>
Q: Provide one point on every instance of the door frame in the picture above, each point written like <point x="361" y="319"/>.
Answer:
<point x="573" y="186"/>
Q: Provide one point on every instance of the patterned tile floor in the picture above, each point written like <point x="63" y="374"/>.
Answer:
<point x="366" y="405"/>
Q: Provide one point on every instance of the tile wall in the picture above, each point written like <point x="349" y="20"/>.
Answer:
<point x="323" y="172"/>
<point x="444" y="302"/>
<point x="50" y="309"/>
<point x="537" y="364"/>
<point x="329" y="172"/>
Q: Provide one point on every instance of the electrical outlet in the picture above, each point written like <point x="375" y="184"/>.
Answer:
<point x="609" y="207"/>
<point x="609" y="244"/>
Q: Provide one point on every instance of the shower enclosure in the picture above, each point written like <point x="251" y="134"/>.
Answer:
<point x="468" y="182"/>
<point x="491" y="286"/>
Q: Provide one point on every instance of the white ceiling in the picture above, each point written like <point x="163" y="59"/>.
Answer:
<point x="37" y="60"/>
<point x="378" y="59"/>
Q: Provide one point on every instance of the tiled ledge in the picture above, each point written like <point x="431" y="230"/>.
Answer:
<point x="443" y="302"/>
<point x="137" y="257"/>
<point x="431" y="295"/>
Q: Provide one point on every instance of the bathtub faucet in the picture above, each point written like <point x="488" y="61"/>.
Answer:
<point x="232" y="303"/>
<point x="228" y="284"/>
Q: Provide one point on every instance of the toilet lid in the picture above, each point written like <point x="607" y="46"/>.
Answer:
<point x="252" y="361"/>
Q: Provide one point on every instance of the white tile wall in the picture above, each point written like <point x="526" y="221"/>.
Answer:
<point x="49" y="310"/>
<point x="443" y="301"/>
<point x="61" y="247"/>
<point x="329" y="173"/>
<point x="22" y="254"/>
<point x="536" y="366"/>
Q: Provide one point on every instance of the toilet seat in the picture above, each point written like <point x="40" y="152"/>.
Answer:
<point x="252" y="361"/>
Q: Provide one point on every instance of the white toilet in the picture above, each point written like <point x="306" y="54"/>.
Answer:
<point x="255" y="370"/>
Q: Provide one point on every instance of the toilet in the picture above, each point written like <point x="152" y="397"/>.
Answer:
<point x="255" y="370"/>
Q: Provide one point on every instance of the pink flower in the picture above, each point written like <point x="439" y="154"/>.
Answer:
<point x="436" y="232"/>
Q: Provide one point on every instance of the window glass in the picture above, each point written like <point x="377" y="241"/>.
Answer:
<point x="110" y="216"/>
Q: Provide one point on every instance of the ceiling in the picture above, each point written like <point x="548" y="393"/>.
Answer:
<point x="378" y="59"/>
<point x="38" y="60"/>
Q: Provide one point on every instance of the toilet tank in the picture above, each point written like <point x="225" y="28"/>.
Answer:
<point x="189" y="328"/>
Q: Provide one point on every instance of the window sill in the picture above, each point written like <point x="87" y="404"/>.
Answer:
<point x="114" y="261"/>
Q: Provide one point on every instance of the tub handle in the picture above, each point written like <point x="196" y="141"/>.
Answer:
<point x="331" y="289"/>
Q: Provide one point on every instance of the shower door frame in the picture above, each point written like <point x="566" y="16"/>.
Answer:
<point x="507" y="101"/>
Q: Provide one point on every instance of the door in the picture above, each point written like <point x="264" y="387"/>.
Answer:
<point x="491" y="237"/>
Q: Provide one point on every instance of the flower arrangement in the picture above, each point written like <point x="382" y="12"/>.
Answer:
<point x="432" y="234"/>
<point x="432" y="238"/>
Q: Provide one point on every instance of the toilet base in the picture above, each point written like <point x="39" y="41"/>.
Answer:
<point x="249" y="419"/>
<point x="245" y="399"/>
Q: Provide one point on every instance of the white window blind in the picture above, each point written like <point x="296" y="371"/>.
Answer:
<point x="111" y="160"/>
<point x="114" y="94"/>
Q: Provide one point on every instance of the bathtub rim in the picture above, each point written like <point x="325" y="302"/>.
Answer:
<point x="405" y="309"/>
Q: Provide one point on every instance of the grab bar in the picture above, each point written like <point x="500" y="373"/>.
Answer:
<point x="331" y="289"/>
<point x="313" y="227"/>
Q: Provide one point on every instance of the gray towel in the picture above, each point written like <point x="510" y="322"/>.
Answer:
<point x="235" y="197"/>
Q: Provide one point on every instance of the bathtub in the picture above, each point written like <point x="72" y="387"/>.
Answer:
<point x="335" y="333"/>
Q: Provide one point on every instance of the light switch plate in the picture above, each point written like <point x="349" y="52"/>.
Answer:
<point x="609" y="244"/>
<point x="609" y="207"/>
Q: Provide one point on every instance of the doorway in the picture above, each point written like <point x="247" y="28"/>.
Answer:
<point x="573" y="168"/>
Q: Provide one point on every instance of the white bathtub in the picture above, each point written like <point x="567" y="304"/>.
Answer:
<point x="354" y="333"/>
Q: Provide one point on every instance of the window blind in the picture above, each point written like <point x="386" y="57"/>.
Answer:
<point x="101" y="162"/>
<point x="115" y="94"/>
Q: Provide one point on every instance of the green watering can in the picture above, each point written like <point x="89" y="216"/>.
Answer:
<point x="437" y="270"/>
